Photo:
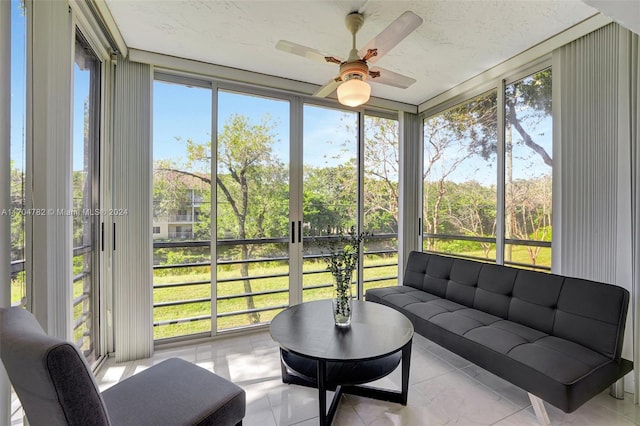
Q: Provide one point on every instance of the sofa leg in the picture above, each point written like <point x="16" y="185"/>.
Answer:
<point x="617" y="389"/>
<point x="540" y="410"/>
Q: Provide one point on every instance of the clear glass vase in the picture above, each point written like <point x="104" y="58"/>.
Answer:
<point x="342" y="304"/>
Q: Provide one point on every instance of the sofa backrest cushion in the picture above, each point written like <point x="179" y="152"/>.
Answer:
<point x="534" y="299"/>
<point x="495" y="284"/>
<point x="592" y="314"/>
<point x="463" y="281"/>
<point x="430" y="273"/>
<point x="416" y="269"/>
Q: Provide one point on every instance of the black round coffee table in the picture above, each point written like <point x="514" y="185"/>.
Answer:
<point x="314" y="352"/>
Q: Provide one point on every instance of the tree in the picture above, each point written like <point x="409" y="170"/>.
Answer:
<point x="249" y="178"/>
<point x="245" y="155"/>
<point x="381" y="173"/>
<point x="529" y="100"/>
<point x="471" y="210"/>
<point x="17" y="219"/>
<point x="531" y="205"/>
<point x="329" y="198"/>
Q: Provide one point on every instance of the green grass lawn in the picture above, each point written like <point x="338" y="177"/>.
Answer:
<point x="203" y="291"/>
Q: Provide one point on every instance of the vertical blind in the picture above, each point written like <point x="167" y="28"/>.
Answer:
<point x="410" y="189"/>
<point x="597" y="186"/>
<point x="131" y="219"/>
<point x="630" y="124"/>
<point x="587" y="179"/>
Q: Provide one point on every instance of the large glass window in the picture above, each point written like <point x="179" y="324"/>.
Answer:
<point x="18" y="147"/>
<point x="268" y="231"/>
<point x="330" y="189"/>
<point x="528" y="166"/>
<point x="181" y="210"/>
<point x="252" y="209"/>
<point x="460" y="175"/>
<point x="86" y="124"/>
<point x="381" y="173"/>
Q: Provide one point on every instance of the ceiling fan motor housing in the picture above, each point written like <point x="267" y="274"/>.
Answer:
<point x="351" y="69"/>
<point x="354" y="22"/>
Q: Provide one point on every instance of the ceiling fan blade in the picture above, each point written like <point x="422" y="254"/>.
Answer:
<point x="307" y="52"/>
<point x="390" y="78"/>
<point x="328" y="88"/>
<point x="392" y="35"/>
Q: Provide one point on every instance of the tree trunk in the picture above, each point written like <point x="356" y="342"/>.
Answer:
<point x="254" y="317"/>
<point x="508" y="185"/>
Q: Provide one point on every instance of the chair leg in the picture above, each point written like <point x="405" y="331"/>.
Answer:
<point x="540" y="410"/>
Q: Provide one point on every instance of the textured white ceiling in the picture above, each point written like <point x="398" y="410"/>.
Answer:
<point x="458" y="39"/>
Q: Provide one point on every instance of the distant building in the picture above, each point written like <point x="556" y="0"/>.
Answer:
<point x="178" y="222"/>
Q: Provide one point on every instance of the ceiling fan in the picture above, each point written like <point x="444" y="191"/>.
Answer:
<point x="353" y="90"/>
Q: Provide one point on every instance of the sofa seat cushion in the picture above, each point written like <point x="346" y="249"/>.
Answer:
<point x="404" y="295"/>
<point x="562" y="360"/>
<point x="498" y="339"/>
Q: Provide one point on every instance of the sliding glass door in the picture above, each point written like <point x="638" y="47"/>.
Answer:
<point x="252" y="209"/>
<point x="329" y="189"/>
<point x="381" y="195"/>
<point x="86" y="178"/>
<point x="277" y="177"/>
<point x="181" y="209"/>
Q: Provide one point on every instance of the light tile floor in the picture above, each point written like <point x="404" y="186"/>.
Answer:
<point x="444" y="390"/>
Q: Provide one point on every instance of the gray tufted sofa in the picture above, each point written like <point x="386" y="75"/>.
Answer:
<point x="556" y="337"/>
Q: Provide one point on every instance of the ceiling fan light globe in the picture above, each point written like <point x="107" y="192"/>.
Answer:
<point x="354" y="92"/>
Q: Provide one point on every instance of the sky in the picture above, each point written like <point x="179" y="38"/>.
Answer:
<point x="18" y="83"/>
<point x="185" y="112"/>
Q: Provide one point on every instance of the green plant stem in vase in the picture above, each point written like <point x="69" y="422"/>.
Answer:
<point x="342" y="253"/>
<point x="342" y="301"/>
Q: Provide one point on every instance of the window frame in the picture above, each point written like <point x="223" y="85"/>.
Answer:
<point x="482" y="85"/>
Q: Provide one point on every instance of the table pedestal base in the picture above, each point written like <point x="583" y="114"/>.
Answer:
<point x="346" y="378"/>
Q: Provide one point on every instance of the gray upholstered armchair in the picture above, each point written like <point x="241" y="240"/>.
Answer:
<point x="56" y="387"/>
